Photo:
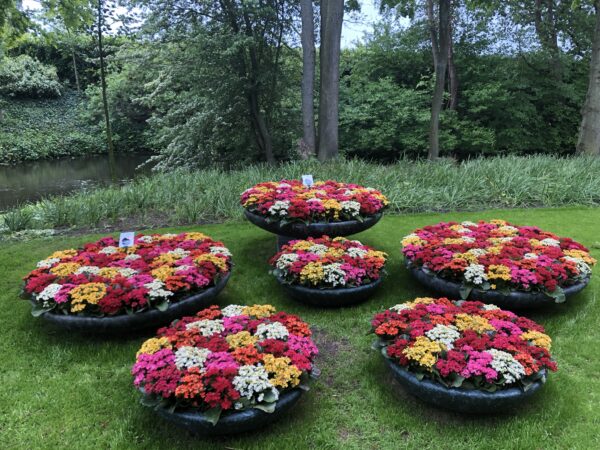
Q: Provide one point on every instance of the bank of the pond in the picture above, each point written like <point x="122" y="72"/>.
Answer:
<point x="66" y="391"/>
<point x="412" y="186"/>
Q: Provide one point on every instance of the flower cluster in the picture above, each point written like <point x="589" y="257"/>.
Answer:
<point x="498" y="255"/>
<point x="233" y="358"/>
<point x="328" y="263"/>
<point x="324" y="201"/>
<point x="103" y="279"/>
<point x="464" y="343"/>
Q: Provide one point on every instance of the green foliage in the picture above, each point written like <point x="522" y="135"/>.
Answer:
<point x="213" y="194"/>
<point x="353" y="405"/>
<point x="41" y="129"/>
<point x="18" y="219"/>
<point x="25" y="77"/>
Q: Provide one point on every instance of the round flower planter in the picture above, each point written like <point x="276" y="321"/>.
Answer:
<point x="126" y="323"/>
<point x="462" y="400"/>
<point x="237" y="422"/>
<point x="330" y="298"/>
<point x="516" y="300"/>
<point x="300" y="230"/>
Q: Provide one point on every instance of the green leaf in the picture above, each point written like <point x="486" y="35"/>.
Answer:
<point x="270" y="396"/>
<point x="465" y="291"/>
<point x="149" y="401"/>
<point x="212" y="415"/>
<point x="37" y="310"/>
<point x="558" y="295"/>
<point x="163" y="305"/>
<point x="458" y="381"/>
<point x="266" y="407"/>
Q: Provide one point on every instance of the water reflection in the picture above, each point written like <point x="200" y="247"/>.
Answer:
<point x="32" y="181"/>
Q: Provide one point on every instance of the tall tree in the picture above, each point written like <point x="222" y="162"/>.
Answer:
<point x="308" y="77"/>
<point x="589" y="133"/>
<point x="332" y="15"/>
<point x="439" y="28"/>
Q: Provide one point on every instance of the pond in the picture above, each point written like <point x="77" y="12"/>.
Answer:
<point x="32" y="181"/>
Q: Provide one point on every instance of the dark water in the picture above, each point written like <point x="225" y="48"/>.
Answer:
<point x="32" y="181"/>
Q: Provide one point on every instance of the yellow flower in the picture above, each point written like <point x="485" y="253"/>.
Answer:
<point x="86" y="294"/>
<point x="423" y="351"/>
<point x="219" y="262"/>
<point x="494" y="250"/>
<point x="498" y="222"/>
<point x="507" y="231"/>
<point x="64" y="269"/>
<point x="412" y="239"/>
<point x="163" y="272"/>
<point x="164" y="258"/>
<point x="241" y="339"/>
<point x="284" y="373"/>
<point x="451" y="241"/>
<point x="333" y="206"/>
<point x="302" y="245"/>
<point x="498" y="272"/>
<point x="539" y="339"/>
<point x="469" y="257"/>
<point x="63" y="254"/>
<point x="195" y="236"/>
<point x="471" y="322"/>
<point x="312" y="273"/>
<point x="534" y="242"/>
<point x="580" y="254"/>
<point x="334" y="252"/>
<point x="422" y="301"/>
<point x="258" y="311"/>
<point x="108" y="272"/>
<point x="377" y="254"/>
<point x="153" y="345"/>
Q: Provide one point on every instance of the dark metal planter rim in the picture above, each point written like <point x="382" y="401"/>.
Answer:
<point x="332" y="297"/>
<point x="462" y="400"/>
<point x="235" y="422"/>
<point x="124" y="323"/>
<point x="301" y="230"/>
<point x="513" y="300"/>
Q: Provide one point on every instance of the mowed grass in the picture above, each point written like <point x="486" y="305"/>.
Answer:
<point x="63" y="390"/>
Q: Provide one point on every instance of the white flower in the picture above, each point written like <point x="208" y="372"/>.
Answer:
<point x="47" y="263"/>
<point x="530" y="256"/>
<point x="477" y="251"/>
<point x="146" y="239"/>
<point x="549" y="242"/>
<point x="400" y="307"/>
<point x="127" y="271"/>
<point x="88" y="270"/>
<point x="318" y="249"/>
<point x="178" y="252"/>
<point x="444" y="334"/>
<point x="583" y="268"/>
<point x="275" y="330"/>
<point x="286" y="260"/>
<point x="350" y="207"/>
<point x="156" y="289"/>
<point x="463" y="230"/>
<point x="356" y="252"/>
<point x="48" y="293"/>
<point x="507" y="365"/>
<point x="132" y="256"/>
<point x="468" y="223"/>
<point x="282" y="186"/>
<point x="505" y="239"/>
<point x="490" y="307"/>
<point x="253" y="381"/>
<point x="334" y="275"/>
<point x="279" y="208"/>
<point x="169" y="236"/>
<point x="508" y="229"/>
<point x="468" y="239"/>
<point x="207" y="327"/>
<point x="182" y="268"/>
<point x="109" y="250"/>
<point x="232" y="310"/>
<point x="219" y="250"/>
<point x="186" y="357"/>
<point x="475" y="274"/>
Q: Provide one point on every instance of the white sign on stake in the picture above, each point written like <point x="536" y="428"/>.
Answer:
<point x="126" y="239"/>
<point x="307" y="180"/>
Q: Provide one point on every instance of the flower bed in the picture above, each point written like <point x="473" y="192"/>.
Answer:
<point x="224" y="370"/>
<point x="324" y="201"/>
<point x="104" y="281"/>
<point x="464" y="355"/>
<point x="498" y="257"/>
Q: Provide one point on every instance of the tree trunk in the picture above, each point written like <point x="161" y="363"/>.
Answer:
<point x="589" y="132"/>
<point x="308" y="76"/>
<point x="332" y="14"/>
<point x="441" y="62"/>
<point x="545" y="28"/>
<point x="452" y="76"/>
<point x="111" y="148"/>
<point x="75" y="72"/>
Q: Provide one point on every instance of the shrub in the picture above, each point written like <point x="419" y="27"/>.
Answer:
<point x="24" y="76"/>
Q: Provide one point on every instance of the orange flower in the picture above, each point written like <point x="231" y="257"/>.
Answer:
<point x="247" y="355"/>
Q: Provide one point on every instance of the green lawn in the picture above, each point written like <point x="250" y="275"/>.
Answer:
<point x="62" y="390"/>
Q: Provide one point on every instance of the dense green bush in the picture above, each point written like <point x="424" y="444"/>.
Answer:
<point x="38" y="129"/>
<point x="26" y="77"/>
